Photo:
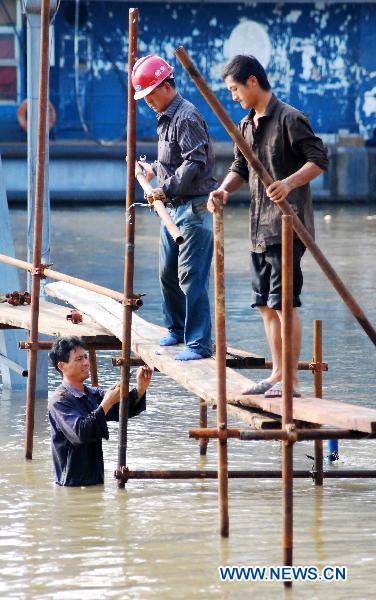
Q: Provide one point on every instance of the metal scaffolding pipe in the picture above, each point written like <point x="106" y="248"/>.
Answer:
<point x="38" y="224"/>
<point x="246" y="474"/>
<point x="288" y="357"/>
<point x="46" y="272"/>
<point x="47" y="345"/>
<point x="203" y="442"/>
<point x="317" y="392"/>
<point x="267" y="180"/>
<point x="129" y="250"/>
<point x="220" y="360"/>
<point x="298" y="435"/>
<point x="93" y="367"/>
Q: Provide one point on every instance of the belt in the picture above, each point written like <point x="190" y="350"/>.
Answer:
<point x="180" y="200"/>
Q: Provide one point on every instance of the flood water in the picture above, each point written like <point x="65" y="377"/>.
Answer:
<point x="159" y="539"/>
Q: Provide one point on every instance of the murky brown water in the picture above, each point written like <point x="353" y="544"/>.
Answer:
<point x="160" y="539"/>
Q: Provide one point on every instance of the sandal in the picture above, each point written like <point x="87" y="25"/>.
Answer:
<point x="258" y="388"/>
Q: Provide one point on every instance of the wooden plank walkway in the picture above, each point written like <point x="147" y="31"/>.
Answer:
<point x="200" y="376"/>
<point x="52" y="321"/>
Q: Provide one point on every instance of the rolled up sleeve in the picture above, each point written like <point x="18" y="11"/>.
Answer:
<point x="304" y="142"/>
<point x="136" y="406"/>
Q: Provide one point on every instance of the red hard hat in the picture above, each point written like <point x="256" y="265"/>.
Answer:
<point x="148" y="72"/>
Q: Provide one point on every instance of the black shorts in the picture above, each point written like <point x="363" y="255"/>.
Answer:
<point x="266" y="275"/>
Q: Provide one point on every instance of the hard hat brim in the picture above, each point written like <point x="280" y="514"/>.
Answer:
<point x="142" y="93"/>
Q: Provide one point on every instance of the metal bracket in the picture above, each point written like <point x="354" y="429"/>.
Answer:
<point x="39" y="271"/>
<point x="135" y="301"/>
<point x="117" y="361"/>
<point x="122" y="474"/>
<point x="75" y="317"/>
<point x="16" y="298"/>
<point x="317" y="367"/>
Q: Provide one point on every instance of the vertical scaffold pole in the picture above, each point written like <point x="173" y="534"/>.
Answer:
<point x="203" y="442"/>
<point x="129" y="250"/>
<point x="38" y="225"/>
<point x="287" y="388"/>
<point x="220" y="338"/>
<point x="93" y="367"/>
<point x="317" y="382"/>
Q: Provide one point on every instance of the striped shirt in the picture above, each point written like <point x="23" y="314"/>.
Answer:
<point x="185" y="163"/>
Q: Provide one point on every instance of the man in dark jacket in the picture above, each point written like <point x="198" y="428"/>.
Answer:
<point x="184" y="170"/>
<point x="79" y="413"/>
<point x="283" y="140"/>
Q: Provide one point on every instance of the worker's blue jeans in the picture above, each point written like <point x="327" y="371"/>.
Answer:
<point x="184" y="275"/>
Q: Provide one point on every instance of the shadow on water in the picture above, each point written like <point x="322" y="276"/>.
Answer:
<point x="159" y="539"/>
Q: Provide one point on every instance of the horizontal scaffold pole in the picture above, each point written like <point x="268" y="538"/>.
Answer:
<point x="257" y="474"/>
<point x="291" y="434"/>
<point x="46" y="272"/>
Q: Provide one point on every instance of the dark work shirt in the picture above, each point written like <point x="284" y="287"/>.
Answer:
<point x="185" y="154"/>
<point x="284" y="142"/>
<point x="78" y="425"/>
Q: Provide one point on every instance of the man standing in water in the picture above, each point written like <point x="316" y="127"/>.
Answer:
<point x="79" y="413"/>
<point x="184" y="169"/>
<point x="283" y="140"/>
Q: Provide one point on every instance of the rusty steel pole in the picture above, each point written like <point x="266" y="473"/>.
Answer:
<point x="129" y="251"/>
<point x="38" y="225"/>
<point x="93" y="367"/>
<point x="220" y="359"/>
<point x="287" y="387"/>
<point x="317" y="384"/>
<point x="267" y="180"/>
<point x="203" y="442"/>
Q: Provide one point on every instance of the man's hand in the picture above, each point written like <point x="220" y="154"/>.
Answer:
<point x="220" y="195"/>
<point x="111" y="397"/>
<point x="156" y="194"/>
<point x="143" y="379"/>
<point x="278" y="190"/>
<point x="149" y="173"/>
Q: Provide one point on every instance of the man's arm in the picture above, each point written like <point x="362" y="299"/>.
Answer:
<point x="279" y="190"/>
<point x="137" y="396"/>
<point x="79" y="429"/>
<point x="306" y="144"/>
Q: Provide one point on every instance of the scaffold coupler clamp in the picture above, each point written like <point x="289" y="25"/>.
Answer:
<point x="135" y="301"/>
<point x="292" y="434"/>
<point x="39" y="271"/>
<point x="122" y="474"/>
<point x="74" y="316"/>
<point x="16" y="298"/>
<point x="317" y="367"/>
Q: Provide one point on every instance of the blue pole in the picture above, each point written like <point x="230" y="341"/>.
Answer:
<point x="333" y="450"/>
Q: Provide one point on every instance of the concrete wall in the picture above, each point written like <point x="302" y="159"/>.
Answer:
<point x="85" y="172"/>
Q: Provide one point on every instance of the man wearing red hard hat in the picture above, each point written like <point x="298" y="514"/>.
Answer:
<point x="184" y="170"/>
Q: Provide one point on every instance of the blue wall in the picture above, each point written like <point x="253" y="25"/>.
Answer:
<point x="320" y="58"/>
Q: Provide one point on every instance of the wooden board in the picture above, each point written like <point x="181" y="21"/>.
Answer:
<point x="52" y="320"/>
<point x="200" y="376"/>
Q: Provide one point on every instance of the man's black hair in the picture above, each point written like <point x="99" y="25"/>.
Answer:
<point x="62" y="347"/>
<point x="170" y="80"/>
<point x="242" y="66"/>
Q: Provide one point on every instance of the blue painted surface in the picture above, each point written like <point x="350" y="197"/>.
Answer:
<point x="333" y="450"/>
<point x="320" y="58"/>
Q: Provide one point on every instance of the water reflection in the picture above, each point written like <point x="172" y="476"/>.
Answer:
<point x="159" y="539"/>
